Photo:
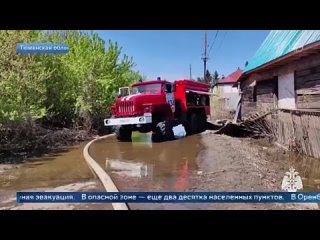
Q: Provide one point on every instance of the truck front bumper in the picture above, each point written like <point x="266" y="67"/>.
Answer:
<point x="146" y="118"/>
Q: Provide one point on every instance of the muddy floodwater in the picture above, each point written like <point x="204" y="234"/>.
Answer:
<point x="52" y="170"/>
<point x="141" y="165"/>
<point x="309" y="170"/>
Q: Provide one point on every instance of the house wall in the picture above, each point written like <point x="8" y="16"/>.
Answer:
<point x="249" y="99"/>
<point x="307" y="84"/>
<point x="227" y="88"/>
<point x="230" y="96"/>
<point x="266" y="94"/>
<point x="298" y="87"/>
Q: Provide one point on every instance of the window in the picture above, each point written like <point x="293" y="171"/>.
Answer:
<point x="147" y="89"/>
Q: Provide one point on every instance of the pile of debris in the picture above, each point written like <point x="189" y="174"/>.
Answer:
<point x="255" y="126"/>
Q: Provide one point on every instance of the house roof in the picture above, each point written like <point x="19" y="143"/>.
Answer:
<point x="280" y="43"/>
<point x="232" y="78"/>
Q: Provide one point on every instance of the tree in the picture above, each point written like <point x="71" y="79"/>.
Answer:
<point x="208" y="78"/>
<point x="22" y="79"/>
<point x="85" y="81"/>
<point x="211" y="79"/>
<point x="73" y="89"/>
<point x="215" y="77"/>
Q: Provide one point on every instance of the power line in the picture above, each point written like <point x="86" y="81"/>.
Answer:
<point x="225" y="33"/>
<point x="212" y="39"/>
<point x="215" y="37"/>
<point x="217" y="49"/>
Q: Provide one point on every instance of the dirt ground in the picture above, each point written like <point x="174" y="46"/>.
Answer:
<point x="8" y="198"/>
<point x="243" y="164"/>
<point x="237" y="164"/>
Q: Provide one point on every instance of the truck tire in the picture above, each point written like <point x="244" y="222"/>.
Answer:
<point x="187" y="128"/>
<point x="163" y="132"/>
<point x="202" y="122"/>
<point x="123" y="133"/>
<point x="193" y="123"/>
<point x="156" y="137"/>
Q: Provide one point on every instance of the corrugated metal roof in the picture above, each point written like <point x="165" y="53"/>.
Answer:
<point x="279" y="43"/>
<point x="232" y="78"/>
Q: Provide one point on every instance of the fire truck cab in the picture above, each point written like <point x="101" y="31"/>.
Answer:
<point x="158" y="106"/>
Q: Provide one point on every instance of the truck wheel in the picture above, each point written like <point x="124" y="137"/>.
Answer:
<point x="123" y="133"/>
<point x="193" y="123"/>
<point x="156" y="137"/>
<point x="202" y="122"/>
<point x="163" y="132"/>
<point x="187" y="128"/>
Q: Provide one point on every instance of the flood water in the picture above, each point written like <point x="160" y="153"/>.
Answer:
<point x="51" y="170"/>
<point x="308" y="169"/>
<point x="141" y="165"/>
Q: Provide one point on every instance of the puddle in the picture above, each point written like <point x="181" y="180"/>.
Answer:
<point x="142" y="165"/>
<point x="51" y="170"/>
<point x="308" y="169"/>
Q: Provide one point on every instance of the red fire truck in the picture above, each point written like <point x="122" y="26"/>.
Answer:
<point x="158" y="106"/>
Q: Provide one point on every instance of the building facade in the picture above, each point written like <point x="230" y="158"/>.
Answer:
<point x="284" y="76"/>
<point x="284" y="73"/>
<point x="228" y="90"/>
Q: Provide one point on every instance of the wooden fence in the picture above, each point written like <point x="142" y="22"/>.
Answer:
<point x="297" y="130"/>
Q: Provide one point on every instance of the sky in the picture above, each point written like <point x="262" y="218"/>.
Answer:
<point x="169" y="53"/>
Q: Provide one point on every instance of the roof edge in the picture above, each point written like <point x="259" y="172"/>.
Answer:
<point x="279" y="59"/>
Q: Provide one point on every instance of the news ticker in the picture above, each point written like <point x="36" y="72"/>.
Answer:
<point x="168" y="197"/>
<point x="41" y="48"/>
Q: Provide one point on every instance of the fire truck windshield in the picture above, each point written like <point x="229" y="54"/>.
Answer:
<point x="147" y="89"/>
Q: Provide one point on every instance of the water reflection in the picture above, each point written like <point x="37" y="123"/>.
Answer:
<point x="309" y="170"/>
<point x="168" y="163"/>
<point x="129" y="169"/>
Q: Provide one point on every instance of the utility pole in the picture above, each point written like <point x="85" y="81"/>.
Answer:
<point x="190" y="73"/>
<point x="205" y="57"/>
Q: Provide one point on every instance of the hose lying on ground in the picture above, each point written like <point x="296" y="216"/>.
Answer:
<point x="102" y="175"/>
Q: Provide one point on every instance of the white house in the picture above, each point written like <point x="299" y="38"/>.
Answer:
<point x="229" y="89"/>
